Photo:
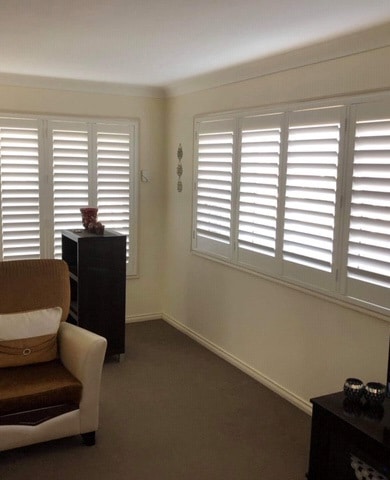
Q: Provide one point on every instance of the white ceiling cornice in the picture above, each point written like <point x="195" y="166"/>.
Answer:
<point x="352" y="44"/>
<point x="358" y="42"/>
<point x="81" y="86"/>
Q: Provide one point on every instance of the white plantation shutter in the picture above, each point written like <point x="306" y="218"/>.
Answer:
<point x="19" y="189"/>
<point x="214" y="173"/>
<point x="313" y="151"/>
<point x="115" y="171"/>
<point x="368" y="263"/>
<point x="300" y="195"/>
<point x="70" y="149"/>
<point x="51" y="167"/>
<point x="259" y="190"/>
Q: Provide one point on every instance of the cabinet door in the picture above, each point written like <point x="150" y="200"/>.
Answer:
<point x="336" y="445"/>
<point x="319" y="467"/>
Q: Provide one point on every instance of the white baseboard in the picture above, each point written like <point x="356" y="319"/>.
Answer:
<point x="144" y="317"/>
<point x="258" y="376"/>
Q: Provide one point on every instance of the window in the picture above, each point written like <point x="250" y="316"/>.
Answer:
<point x="215" y="176"/>
<point x="49" y="168"/>
<point x="20" y="202"/>
<point x="259" y="190"/>
<point x="302" y="195"/>
<point x="311" y="182"/>
<point x="368" y="251"/>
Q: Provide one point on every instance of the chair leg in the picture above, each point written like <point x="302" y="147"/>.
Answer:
<point x="88" y="438"/>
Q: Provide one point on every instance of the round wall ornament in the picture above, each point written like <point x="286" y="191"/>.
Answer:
<point x="179" y="168"/>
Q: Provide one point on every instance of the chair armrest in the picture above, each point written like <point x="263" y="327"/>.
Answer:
<point x="82" y="353"/>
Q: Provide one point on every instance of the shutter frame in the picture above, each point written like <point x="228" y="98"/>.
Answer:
<point x="70" y="153"/>
<point x="259" y="189"/>
<point x="116" y="174"/>
<point x="368" y="237"/>
<point x="19" y="186"/>
<point x="215" y="141"/>
<point x="310" y="229"/>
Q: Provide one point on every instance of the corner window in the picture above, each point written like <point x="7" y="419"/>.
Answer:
<point x="301" y="195"/>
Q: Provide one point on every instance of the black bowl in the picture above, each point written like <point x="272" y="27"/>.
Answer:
<point x="375" y="392"/>
<point x="353" y="389"/>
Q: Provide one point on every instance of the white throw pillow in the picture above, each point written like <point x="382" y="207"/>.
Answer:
<point x="29" y="337"/>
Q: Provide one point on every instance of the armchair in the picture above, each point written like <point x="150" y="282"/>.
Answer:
<point x="46" y="399"/>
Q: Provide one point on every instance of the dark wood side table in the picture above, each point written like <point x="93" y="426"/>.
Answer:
<point x="342" y="431"/>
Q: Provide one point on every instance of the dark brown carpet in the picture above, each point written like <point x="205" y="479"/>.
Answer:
<point x="172" y="410"/>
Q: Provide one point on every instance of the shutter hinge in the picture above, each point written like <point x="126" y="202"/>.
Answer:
<point x="193" y="234"/>
<point x="337" y="274"/>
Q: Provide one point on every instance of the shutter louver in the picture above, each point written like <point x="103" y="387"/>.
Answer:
<point x="70" y="150"/>
<point x="214" y="186"/>
<point x="369" y="230"/>
<point x="311" y="183"/>
<point x="19" y="188"/>
<point x="259" y="187"/>
<point x="113" y="178"/>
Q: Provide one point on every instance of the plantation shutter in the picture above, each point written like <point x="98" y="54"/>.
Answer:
<point x="115" y="191"/>
<point x="313" y="151"/>
<point x="70" y="149"/>
<point x="214" y="172"/>
<point x="368" y="265"/>
<point x="19" y="189"/>
<point x="259" y="190"/>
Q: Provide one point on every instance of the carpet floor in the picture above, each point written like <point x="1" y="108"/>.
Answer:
<point x="172" y="410"/>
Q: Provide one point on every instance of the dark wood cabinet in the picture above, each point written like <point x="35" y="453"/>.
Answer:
<point x="97" y="265"/>
<point x="346" y="436"/>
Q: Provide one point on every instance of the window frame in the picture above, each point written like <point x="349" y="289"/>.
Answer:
<point x="337" y="289"/>
<point x="43" y="122"/>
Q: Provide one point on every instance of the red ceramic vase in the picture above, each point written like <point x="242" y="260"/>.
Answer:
<point x="88" y="216"/>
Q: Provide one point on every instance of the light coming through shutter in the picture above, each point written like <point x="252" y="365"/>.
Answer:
<point x="19" y="188"/>
<point x="311" y="183"/>
<point x="70" y="151"/>
<point x="259" y="183"/>
<point x="214" y="186"/>
<point x="369" y="230"/>
<point x="113" y="177"/>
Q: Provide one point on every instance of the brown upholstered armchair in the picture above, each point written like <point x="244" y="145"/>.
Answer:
<point x="50" y="380"/>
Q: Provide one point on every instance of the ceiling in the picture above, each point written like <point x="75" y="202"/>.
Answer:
<point x="154" y="43"/>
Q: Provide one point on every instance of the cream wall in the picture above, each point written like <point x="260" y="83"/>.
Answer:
<point x="144" y="292"/>
<point x="298" y="344"/>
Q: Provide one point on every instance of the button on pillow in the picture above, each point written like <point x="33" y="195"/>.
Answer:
<point x="29" y="337"/>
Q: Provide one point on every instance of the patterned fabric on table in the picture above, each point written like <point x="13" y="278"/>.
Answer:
<point x="363" y="471"/>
